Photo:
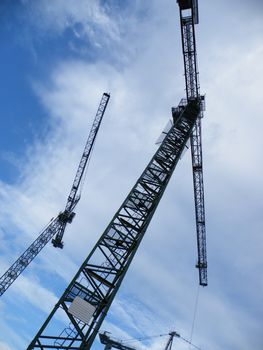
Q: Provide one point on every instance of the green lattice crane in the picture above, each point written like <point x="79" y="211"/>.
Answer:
<point x="88" y="297"/>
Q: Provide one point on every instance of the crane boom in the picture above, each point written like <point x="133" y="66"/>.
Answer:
<point x="188" y="19"/>
<point x="57" y="226"/>
<point x="113" y="343"/>
<point x="88" y="297"/>
<point x="74" y="195"/>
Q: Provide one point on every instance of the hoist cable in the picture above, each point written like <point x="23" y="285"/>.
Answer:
<point x="194" y="316"/>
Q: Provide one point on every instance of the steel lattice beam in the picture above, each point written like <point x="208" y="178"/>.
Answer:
<point x="75" y="192"/>
<point x="99" y="278"/>
<point x="113" y="343"/>
<point x="188" y="19"/>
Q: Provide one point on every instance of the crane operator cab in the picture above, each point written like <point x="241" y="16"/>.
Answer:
<point x="191" y="5"/>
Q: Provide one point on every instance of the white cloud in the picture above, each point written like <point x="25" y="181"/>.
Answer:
<point x="33" y="292"/>
<point x="160" y="288"/>
<point x="104" y="31"/>
<point x="4" y="346"/>
<point x="57" y="16"/>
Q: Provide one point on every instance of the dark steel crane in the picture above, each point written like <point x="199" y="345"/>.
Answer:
<point x="188" y="19"/>
<point x="177" y="335"/>
<point x="88" y="297"/>
<point x="112" y="343"/>
<point x="170" y="340"/>
<point x="57" y="226"/>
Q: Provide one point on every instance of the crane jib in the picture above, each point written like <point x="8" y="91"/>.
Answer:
<point x="188" y="19"/>
<point x="56" y="227"/>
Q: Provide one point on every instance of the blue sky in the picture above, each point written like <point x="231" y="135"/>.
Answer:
<point x="57" y="60"/>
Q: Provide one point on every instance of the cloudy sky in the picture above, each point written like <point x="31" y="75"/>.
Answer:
<point x="57" y="58"/>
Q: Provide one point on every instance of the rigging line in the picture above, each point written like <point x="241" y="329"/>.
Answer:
<point x="132" y="340"/>
<point x="190" y="343"/>
<point x="194" y="316"/>
<point x="143" y="338"/>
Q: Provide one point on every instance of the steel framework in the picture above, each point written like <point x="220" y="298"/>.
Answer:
<point x="111" y="343"/>
<point x="57" y="226"/>
<point x="87" y="299"/>
<point x="188" y="19"/>
<point x="170" y="340"/>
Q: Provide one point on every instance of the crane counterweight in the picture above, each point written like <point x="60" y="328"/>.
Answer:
<point x="190" y="5"/>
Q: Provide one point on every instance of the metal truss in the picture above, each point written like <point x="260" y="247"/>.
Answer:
<point x="87" y="299"/>
<point x="113" y="343"/>
<point x="189" y="53"/>
<point x="75" y="191"/>
<point x="57" y="226"/>
<point x="192" y="92"/>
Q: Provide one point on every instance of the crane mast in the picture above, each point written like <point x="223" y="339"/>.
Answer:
<point x="57" y="226"/>
<point x="188" y="19"/>
<point x="88" y="297"/>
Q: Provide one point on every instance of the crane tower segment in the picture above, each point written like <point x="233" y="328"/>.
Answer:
<point x="101" y="274"/>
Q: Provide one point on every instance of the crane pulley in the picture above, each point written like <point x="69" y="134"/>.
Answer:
<point x="56" y="227"/>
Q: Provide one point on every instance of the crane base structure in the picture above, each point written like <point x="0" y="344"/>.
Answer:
<point x="88" y="297"/>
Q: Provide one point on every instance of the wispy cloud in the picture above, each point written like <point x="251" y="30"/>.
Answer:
<point x="160" y="288"/>
<point x="4" y="346"/>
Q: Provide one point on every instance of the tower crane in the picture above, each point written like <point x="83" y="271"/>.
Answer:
<point x="188" y="18"/>
<point x="173" y="334"/>
<point x="121" y="344"/>
<point x="170" y="340"/>
<point x="89" y="295"/>
<point x="56" y="227"/>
